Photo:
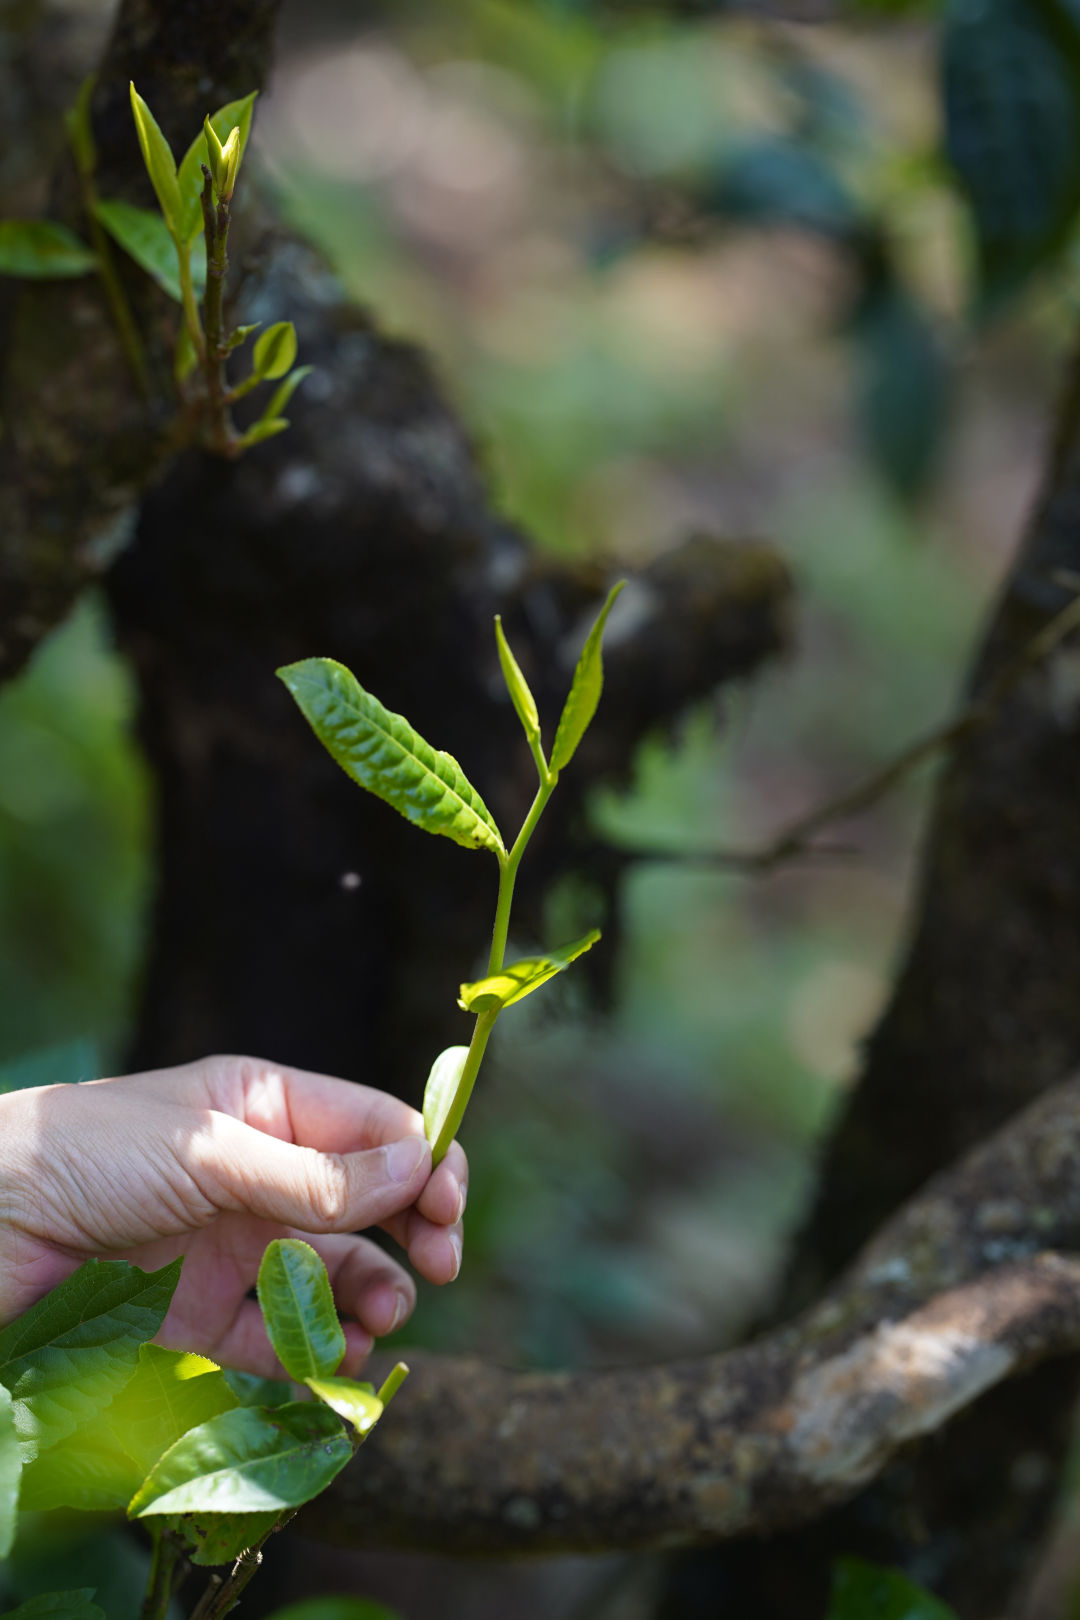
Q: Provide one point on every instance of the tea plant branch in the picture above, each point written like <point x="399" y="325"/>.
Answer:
<point x="216" y="227"/>
<point x="795" y="841"/>
<point x="973" y="1282"/>
<point x="166" y="1563"/>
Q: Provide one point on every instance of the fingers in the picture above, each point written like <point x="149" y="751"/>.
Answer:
<point x="242" y="1168"/>
<point x="317" y="1110"/>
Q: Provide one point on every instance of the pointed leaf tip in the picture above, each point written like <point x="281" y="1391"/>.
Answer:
<point x="159" y="161"/>
<point x="516" y="684"/>
<point x="585" y="689"/>
<point x="520" y="979"/>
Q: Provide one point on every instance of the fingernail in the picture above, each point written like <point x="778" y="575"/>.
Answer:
<point x="455" y="1244"/>
<point x="462" y="1196"/>
<point x="401" y="1310"/>
<point x="404" y="1158"/>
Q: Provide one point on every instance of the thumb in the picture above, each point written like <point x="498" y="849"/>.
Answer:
<point x="242" y="1168"/>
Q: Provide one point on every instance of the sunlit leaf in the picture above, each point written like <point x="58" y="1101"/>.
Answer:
<point x="74" y="1350"/>
<point x="145" y="236"/>
<point x="250" y="1460"/>
<point x="171" y="1392"/>
<point x="275" y="350"/>
<point x="863" y="1591"/>
<point x="299" y="1311"/>
<point x="516" y="684"/>
<point x="160" y="163"/>
<point x="382" y="752"/>
<point x="234" y="114"/>
<point x="10" y="1469"/>
<point x="356" y="1403"/>
<point x="441" y="1089"/>
<point x="521" y="978"/>
<point x="42" y="251"/>
<point x="585" y="689"/>
<point x="73" y="1605"/>
<point x="89" y="1471"/>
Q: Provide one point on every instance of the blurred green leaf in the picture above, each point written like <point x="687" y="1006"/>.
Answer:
<point x="42" y="251"/>
<point x="441" y="1089"/>
<point x="275" y="350"/>
<point x="74" y="1605"/>
<point x="335" y="1608"/>
<point x="904" y="394"/>
<point x="281" y="396"/>
<point x="267" y="427"/>
<point x="73" y="1351"/>
<point x="356" y="1403"/>
<point x="382" y="752"/>
<point x="145" y="236"/>
<point x="10" y="1469"/>
<point x="863" y="1591"/>
<point x="774" y="181"/>
<point x="521" y="978"/>
<point x="299" y="1311"/>
<point x="585" y="689"/>
<point x="248" y="1461"/>
<point x="80" y="131"/>
<point x="54" y="1066"/>
<point x="160" y="163"/>
<point x="1012" y="131"/>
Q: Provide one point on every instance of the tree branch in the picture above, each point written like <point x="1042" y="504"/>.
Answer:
<point x="956" y="1294"/>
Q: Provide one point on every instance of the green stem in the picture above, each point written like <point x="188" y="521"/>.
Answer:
<point x="392" y="1383"/>
<point x="119" y="308"/>
<point x="485" y="1023"/>
<point x="159" y="1587"/>
<point x="188" y="300"/>
<point x="222" y="1595"/>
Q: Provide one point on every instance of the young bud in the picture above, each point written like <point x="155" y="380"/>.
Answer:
<point x="215" y="154"/>
<point x="230" y="159"/>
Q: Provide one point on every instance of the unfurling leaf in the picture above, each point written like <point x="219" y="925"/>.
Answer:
<point x="516" y="684"/>
<point x="275" y="350"/>
<point x="585" y="689"/>
<point x="146" y="237"/>
<point x="42" y="251"/>
<point x="234" y="115"/>
<point x="356" y="1403"/>
<point x="10" y="1469"/>
<point x="73" y="1351"/>
<point x="298" y="1307"/>
<point x="252" y="1460"/>
<point x="520" y="979"/>
<point x="382" y="752"/>
<point x="441" y="1089"/>
<point x="160" y="163"/>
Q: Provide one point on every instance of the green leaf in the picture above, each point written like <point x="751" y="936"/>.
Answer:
<point x="220" y="1538"/>
<point x="863" y="1591"/>
<point x="299" y="1311"/>
<point x="10" y="1469"/>
<point x="52" y="1066"/>
<point x="441" y="1089"/>
<point x="335" y="1608"/>
<point x="160" y="163"/>
<point x="89" y="1471"/>
<point x="775" y="181"/>
<point x="1012" y="131"/>
<point x="382" y="752"/>
<point x="585" y="690"/>
<point x="74" y="1605"/>
<point x="80" y="131"/>
<point x="356" y="1403"/>
<point x="903" y="390"/>
<point x="248" y="1461"/>
<point x="42" y="251"/>
<point x="145" y="236"/>
<point x="234" y="114"/>
<point x="516" y="684"/>
<point x="252" y="1391"/>
<point x="275" y="350"/>
<point x="264" y="428"/>
<point x="285" y="391"/>
<point x="520" y="979"/>
<point x="73" y="1351"/>
<point x="172" y="1391"/>
<point x="240" y="334"/>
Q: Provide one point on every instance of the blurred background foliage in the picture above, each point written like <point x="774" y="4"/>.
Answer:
<point x="681" y="273"/>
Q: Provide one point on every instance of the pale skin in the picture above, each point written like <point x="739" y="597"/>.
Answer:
<point x="212" y="1161"/>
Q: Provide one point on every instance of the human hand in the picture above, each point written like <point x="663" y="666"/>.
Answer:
<point x="212" y="1161"/>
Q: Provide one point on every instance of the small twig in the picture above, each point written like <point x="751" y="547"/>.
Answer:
<point x="793" y="842"/>
<point x="216" y="225"/>
<point x="223" y="1592"/>
<point x="165" y="1557"/>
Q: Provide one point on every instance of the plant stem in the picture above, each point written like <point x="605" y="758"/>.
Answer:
<point x="216" y="227"/>
<point x="508" y="870"/>
<point x="392" y="1383"/>
<point x="223" y="1593"/>
<point x="119" y="308"/>
<point x="159" y="1587"/>
<point x="188" y="300"/>
<point x="485" y="1023"/>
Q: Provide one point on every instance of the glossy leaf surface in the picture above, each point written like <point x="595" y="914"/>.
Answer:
<point x="863" y="1591"/>
<point x="10" y="1469"/>
<point x="299" y="1311"/>
<point x="516" y="684"/>
<point x="71" y="1605"/>
<point x="42" y="251"/>
<point x="585" y="689"/>
<point x="74" y="1350"/>
<point x="521" y="978"/>
<point x="160" y="163"/>
<point x="441" y="1089"/>
<point x="356" y="1403"/>
<point x="275" y="350"/>
<point x="248" y="1461"/>
<point x="145" y="237"/>
<point x="382" y="752"/>
<point x="234" y="114"/>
